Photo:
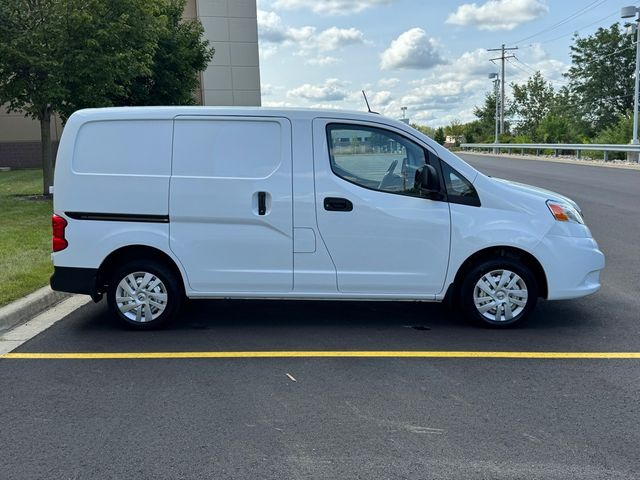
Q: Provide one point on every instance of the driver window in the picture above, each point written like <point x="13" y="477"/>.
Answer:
<point x="375" y="158"/>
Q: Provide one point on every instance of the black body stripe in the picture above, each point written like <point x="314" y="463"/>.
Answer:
<point x="118" y="217"/>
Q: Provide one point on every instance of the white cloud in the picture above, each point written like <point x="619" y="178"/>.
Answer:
<point x="330" y="7"/>
<point x="326" y="106"/>
<point x="388" y="82"/>
<point x="330" y="91"/>
<point x="334" y="38"/>
<point x="270" y="27"/>
<point x="380" y="99"/>
<point x="470" y="64"/>
<point x="411" y="50"/>
<point x="267" y="50"/>
<point x="321" y="61"/>
<point x="498" y="14"/>
<point x="277" y="104"/>
<point x="273" y="32"/>
<point x="550" y="69"/>
<point x="452" y="91"/>
<point x="267" y="89"/>
<point x="447" y="91"/>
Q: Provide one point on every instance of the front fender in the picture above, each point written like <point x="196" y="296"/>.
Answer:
<point x="477" y="228"/>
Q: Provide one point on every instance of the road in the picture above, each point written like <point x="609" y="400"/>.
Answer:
<point x="369" y="418"/>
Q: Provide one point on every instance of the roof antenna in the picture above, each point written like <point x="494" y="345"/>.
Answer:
<point x="367" y="102"/>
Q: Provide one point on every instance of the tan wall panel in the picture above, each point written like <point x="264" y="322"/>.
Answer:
<point x="233" y="76"/>
<point x="190" y="10"/>
<point x="15" y="127"/>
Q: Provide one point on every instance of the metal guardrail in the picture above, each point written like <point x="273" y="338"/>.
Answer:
<point x="556" y="147"/>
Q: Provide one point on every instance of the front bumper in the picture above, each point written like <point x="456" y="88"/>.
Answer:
<point x="572" y="266"/>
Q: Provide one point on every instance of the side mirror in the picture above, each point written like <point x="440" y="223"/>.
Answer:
<point x="427" y="182"/>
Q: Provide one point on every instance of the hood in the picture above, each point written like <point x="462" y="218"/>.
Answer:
<point x="547" y="194"/>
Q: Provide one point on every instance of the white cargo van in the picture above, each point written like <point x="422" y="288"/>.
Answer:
<point x="152" y="205"/>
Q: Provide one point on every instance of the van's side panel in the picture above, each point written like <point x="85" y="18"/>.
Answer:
<point x="220" y="167"/>
<point x="119" y="167"/>
<point x="111" y="169"/>
<point x="313" y="269"/>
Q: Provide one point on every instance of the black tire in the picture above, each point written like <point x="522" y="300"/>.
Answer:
<point x="503" y="299"/>
<point x="169" y="285"/>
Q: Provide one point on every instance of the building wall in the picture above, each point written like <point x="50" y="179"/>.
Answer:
<point x="232" y="78"/>
<point x="15" y="127"/>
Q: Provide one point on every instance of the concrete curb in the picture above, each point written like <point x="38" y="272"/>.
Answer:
<point x="28" y="307"/>
<point x="588" y="163"/>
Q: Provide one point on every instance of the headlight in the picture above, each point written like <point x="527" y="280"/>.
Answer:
<point x="564" y="212"/>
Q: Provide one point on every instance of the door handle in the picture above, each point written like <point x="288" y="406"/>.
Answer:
<point x="335" y="204"/>
<point x="262" y="203"/>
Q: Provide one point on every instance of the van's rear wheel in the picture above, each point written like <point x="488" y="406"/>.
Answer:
<point x="144" y="294"/>
<point x="499" y="293"/>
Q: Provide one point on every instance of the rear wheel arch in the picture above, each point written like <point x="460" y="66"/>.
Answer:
<point x="124" y="255"/>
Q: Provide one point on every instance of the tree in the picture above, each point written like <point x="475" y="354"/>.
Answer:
<point x="485" y="127"/>
<point x="455" y="129"/>
<point x="425" y="129"/>
<point x="620" y="132"/>
<point x="554" y="129"/>
<point x="57" y="56"/>
<point x="566" y="107"/>
<point x="532" y="102"/>
<point x="180" y="55"/>
<point x="439" y="136"/>
<point x="601" y="76"/>
<point x="473" y="132"/>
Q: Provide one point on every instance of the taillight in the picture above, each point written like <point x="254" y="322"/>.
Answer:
<point x="58" y="242"/>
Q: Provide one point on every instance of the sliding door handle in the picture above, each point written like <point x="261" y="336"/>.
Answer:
<point x="335" y="204"/>
<point x="262" y="203"/>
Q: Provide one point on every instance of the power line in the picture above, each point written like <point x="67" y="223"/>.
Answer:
<point x="600" y="57"/>
<point x="531" y="71"/>
<point x="528" y="71"/>
<point x="580" y="12"/>
<point x="562" y="82"/>
<point x="531" y="45"/>
<point x="580" y="29"/>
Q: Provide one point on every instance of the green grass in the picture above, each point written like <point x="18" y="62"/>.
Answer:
<point x="25" y="235"/>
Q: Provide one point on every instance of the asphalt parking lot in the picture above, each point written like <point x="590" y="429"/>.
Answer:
<point x="390" y="417"/>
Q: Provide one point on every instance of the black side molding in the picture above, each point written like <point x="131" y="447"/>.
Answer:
<point x="74" y="280"/>
<point x="118" y="217"/>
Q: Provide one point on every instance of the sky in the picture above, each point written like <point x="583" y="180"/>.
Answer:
<point x="429" y="56"/>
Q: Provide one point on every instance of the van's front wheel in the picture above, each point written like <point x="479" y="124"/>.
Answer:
<point x="144" y="294"/>
<point x="499" y="293"/>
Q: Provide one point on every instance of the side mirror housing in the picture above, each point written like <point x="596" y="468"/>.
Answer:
<point x="428" y="182"/>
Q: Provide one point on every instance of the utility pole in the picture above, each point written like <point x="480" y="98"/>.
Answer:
<point x="404" y="115"/>
<point x="502" y="57"/>
<point x="496" y="81"/>
<point x="632" y="12"/>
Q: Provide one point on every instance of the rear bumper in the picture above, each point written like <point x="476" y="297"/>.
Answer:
<point x="74" y="280"/>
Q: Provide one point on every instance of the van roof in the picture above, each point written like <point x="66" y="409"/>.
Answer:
<point x="115" y="113"/>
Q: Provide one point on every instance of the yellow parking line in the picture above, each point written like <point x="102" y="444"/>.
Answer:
<point x="320" y="354"/>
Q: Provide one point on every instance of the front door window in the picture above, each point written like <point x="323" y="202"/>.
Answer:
<point x="376" y="159"/>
